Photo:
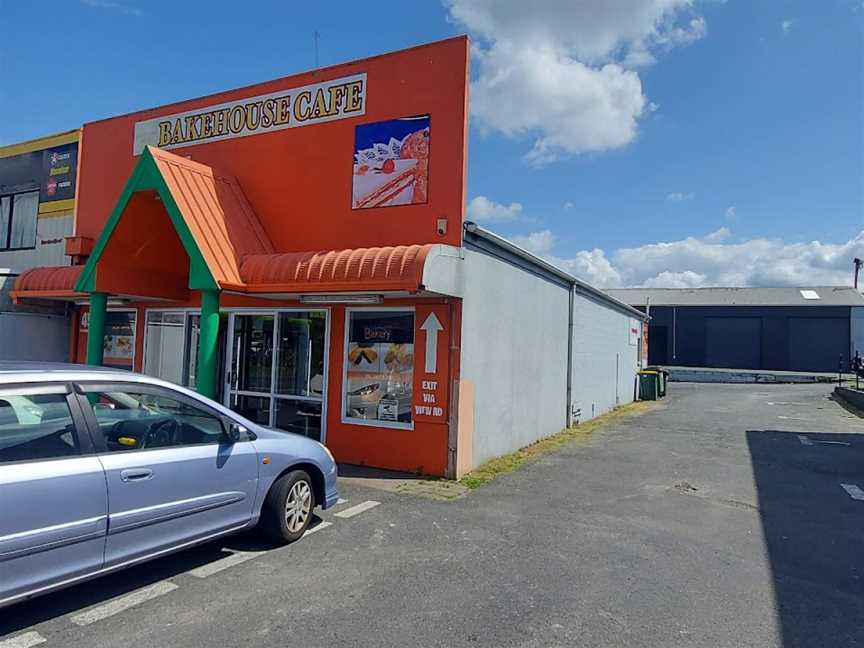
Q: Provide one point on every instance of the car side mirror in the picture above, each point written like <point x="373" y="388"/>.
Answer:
<point x="236" y="432"/>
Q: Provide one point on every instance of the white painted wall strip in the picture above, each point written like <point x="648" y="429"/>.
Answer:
<point x="854" y="491"/>
<point x="804" y="440"/>
<point x="25" y="640"/>
<point x="123" y="603"/>
<point x="357" y="510"/>
<point x="217" y="566"/>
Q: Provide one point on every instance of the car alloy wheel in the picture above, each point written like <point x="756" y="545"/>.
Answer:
<point x="298" y="506"/>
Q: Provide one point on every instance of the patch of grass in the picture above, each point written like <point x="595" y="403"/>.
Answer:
<point x="508" y="463"/>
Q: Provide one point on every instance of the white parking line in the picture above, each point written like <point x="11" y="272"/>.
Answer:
<point x="317" y="527"/>
<point x="854" y="491"/>
<point x="123" y="603"/>
<point x="805" y="440"/>
<point x="25" y="640"/>
<point x="217" y="566"/>
<point x="357" y="510"/>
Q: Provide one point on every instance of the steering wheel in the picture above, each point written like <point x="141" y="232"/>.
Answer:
<point x="160" y="434"/>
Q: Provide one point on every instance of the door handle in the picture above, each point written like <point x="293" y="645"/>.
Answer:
<point x="136" y="474"/>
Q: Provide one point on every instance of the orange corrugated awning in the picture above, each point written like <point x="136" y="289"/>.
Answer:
<point x="228" y="248"/>
<point x="48" y="282"/>
<point x="217" y="213"/>
<point x="397" y="268"/>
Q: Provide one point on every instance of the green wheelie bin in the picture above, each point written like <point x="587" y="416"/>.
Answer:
<point x="649" y="385"/>
<point x="662" y="379"/>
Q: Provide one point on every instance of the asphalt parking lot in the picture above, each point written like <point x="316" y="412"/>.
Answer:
<point x="727" y="515"/>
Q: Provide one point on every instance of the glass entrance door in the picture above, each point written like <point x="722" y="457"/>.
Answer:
<point x="277" y="369"/>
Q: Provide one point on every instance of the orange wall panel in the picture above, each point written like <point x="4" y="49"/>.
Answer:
<point x="299" y="180"/>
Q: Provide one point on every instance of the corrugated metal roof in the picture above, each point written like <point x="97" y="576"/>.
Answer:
<point x="500" y="243"/>
<point x="377" y="268"/>
<point x="217" y="213"/>
<point x="47" y="282"/>
<point x="790" y="296"/>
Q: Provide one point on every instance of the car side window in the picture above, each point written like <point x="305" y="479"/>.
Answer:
<point x="144" y="420"/>
<point x="36" y="426"/>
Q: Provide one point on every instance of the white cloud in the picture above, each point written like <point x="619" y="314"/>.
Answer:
<point x="120" y="6"/>
<point x="786" y="26"/>
<point x="717" y="236"/>
<point x="483" y="210"/>
<point x="537" y="242"/>
<point x="709" y="260"/>
<point x="560" y="72"/>
<point x="568" y="205"/>
<point x="677" y="196"/>
<point x="731" y="212"/>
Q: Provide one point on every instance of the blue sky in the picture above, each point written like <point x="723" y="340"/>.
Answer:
<point x="674" y="142"/>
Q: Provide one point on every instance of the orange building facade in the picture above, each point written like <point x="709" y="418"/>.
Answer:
<point x="296" y="249"/>
<point x="309" y="205"/>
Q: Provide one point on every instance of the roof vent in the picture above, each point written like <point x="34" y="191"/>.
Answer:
<point x="809" y="294"/>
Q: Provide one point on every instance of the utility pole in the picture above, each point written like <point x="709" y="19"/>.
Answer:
<point x="858" y="263"/>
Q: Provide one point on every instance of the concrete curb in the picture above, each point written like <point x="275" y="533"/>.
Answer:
<point x="703" y="375"/>
<point x="851" y="397"/>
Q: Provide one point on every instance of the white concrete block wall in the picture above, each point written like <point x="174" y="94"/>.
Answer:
<point x="34" y="336"/>
<point x="514" y="350"/>
<point x="604" y="361"/>
<point x="50" y="250"/>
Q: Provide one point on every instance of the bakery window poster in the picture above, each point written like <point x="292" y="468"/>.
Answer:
<point x="391" y="163"/>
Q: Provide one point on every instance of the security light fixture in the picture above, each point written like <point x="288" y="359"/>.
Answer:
<point x="341" y="299"/>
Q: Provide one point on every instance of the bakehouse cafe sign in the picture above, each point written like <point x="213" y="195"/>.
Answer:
<point x="290" y="108"/>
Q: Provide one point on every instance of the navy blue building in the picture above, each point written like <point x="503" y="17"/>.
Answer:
<point x="793" y="329"/>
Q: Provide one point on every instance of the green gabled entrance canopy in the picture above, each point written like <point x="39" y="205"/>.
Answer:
<point x="208" y="211"/>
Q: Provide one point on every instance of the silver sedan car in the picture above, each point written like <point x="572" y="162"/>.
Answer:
<point x="101" y="469"/>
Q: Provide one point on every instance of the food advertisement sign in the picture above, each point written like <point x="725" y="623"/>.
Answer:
<point x="380" y="366"/>
<point x="391" y="163"/>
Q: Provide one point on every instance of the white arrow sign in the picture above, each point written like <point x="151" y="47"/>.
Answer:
<point x="432" y="326"/>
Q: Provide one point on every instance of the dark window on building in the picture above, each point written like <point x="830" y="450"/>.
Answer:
<point x="18" y="220"/>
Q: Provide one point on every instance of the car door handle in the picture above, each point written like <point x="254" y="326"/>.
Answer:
<point x="136" y="474"/>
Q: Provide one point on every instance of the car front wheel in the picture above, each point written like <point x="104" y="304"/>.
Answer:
<point x="288" y="507"/>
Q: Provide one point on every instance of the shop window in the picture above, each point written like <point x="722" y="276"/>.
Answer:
<point x="18" y="214"/>
<point x="119" y="342"/>
<point x="171" y="346"/>
<point x="379" y="367"/>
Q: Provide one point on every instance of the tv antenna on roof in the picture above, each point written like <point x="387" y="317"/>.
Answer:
<point x="315" y="37"/>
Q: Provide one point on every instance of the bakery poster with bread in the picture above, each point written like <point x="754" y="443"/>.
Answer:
<point x="391" y="163"/>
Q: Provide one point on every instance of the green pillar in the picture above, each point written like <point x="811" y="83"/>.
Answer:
<point x="208" y="338"/>
<point x="96" y="328"/>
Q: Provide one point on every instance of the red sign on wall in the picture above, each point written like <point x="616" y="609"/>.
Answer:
<point x="431" y="368"/>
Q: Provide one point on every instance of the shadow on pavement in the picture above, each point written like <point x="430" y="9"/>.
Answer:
<point x="100" y="590"/>
<point x="814" y="533"/>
